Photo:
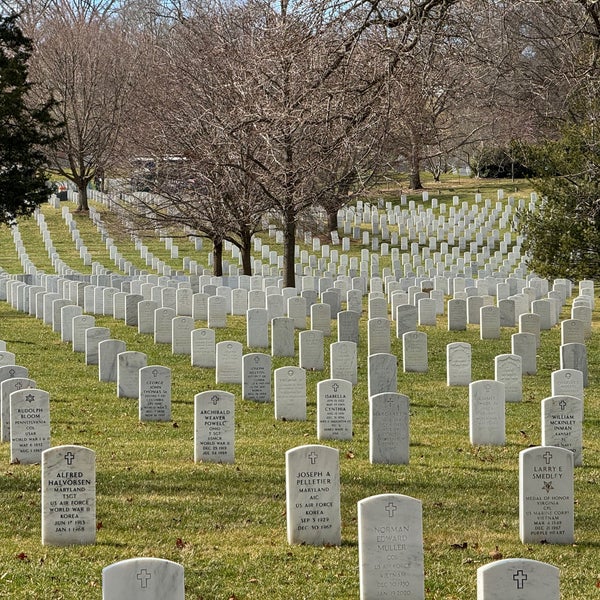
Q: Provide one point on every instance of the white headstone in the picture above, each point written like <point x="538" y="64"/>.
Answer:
<point x="390" y="547"/>
<point x="143" y="579"/>
<point x="546" y="504"/>
<point x="29" y="425"/>
<point x="155" y="393"/>
<point x="214" y="427"/>
<point x="68" y="496"/>
<point x="204" y="352"/>
<point x="229" y="362"/>
<point x="458" y="363"/>
<point x="518" y="579"/>
<point x="256" y="382"/>
<point x="334" y="409"/>
<point x="389" y="428"/>
<point x="290" y="393"/>
<point x="313" y="496"/>
<point x="487" y="412"/>
<point x="562" y="424"/>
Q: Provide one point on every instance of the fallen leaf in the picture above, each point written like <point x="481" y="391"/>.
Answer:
<point x="23" y="556"/>
<point x="99" y="525"/>
<point x="459" y="546"/>
<point x="180" y="543"/>
<point x="495" y="554"/>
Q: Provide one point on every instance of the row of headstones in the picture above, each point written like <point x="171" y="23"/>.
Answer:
<point x="26" y="410"/>
<point x="113" y="359"/>
<point x="445" y="259"/>
<point x="390" y="526"/>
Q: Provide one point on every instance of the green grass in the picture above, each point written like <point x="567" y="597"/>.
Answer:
<point x="226" y="523"/>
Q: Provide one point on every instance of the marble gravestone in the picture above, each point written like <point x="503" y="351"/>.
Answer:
<point x="128" y="369"/>
<point x="546" y="503"/>
<point x="343" y="361"/>
<point x="574" y="356"/>
<point x="508" y="370"/>
<point x="204" y="352"/>
<point x="7" y="387"/>
<point x="214" y="427"/>
<point x="143" y="579"/>
<point x="68" y="496"/>
<point x="518" y="579"/>
<point x="256" y="382"/>
<point x="311" y="350"/>
<point x="414" y="352"/>
<point x="567" y="382"/>
<point x="458" y="363"/>
<point x="290" y="393"/>
<point x="562" y="424"/>
<point x="93" y="337"/>
<point x="382" y="374"/>
<point x="390" y="547"/>
<point x="80" y="324"/>
<point x="313" y="496"/>
<point x="154" y="393"/>
<point x="108" y="351"/>
<point x="389" y="428"/>
<point x="229" y="362"/>
<point x="487" y="412"/>
<point x="29" y="425"/>
<point x="334" y="409"/>
<point x="282" y="337"/>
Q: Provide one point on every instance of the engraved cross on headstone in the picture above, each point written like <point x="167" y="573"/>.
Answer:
<point x="562" y="404"/>
<point x="547" y="457"/>
<point x="520" y="578"/>
<point x="215" y="400"/>
<point x="154" y="372"/>
<point x="69" y="457"/>
<point x="335" y="387"/>
<point x="143" y="576"/>
<point x="313" y="457"/>
<point x="391" y="509"/>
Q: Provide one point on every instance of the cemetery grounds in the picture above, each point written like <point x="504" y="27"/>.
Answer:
<point x="226" y="524"/>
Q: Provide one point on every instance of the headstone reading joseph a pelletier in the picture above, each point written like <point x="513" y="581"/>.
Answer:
<point x="214" y="422"/>
<point x="546" y="505"/>
<point x="29" y="425"/>
<point x="390" y="547"/>
<point x="518" y="579"/>
<point x="68" y="496"/>
<point x="155" y="393"/>
<point x="313" y="495"/>
<point x="143" y="579"/>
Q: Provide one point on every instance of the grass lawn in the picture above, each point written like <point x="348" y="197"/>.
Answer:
<point x="226" y="524"/>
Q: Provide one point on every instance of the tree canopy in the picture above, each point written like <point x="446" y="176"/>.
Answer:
<point x="26" y="129"/>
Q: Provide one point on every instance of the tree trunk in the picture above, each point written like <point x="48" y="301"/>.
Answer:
<point x="218" y="258"/>
<point x="245" y="247"/>
<point x="289" y="247"/>
<point x="415" y="164"/>
<point x="82" y="200"/>
<point x="332" y="220"/>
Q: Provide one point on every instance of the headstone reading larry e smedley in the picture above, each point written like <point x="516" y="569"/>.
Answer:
<point x="518" y="579"/>
<point x="546" y="505"/>
<point x="143" y="579"/>
<point x="68" y="496"/>
<point x="313" y="495"/>
<point x="390" y="547"/>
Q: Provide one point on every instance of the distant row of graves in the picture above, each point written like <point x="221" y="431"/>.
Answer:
<point x="167" y="308"/>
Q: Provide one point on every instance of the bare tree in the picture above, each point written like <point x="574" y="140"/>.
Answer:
<point x="88" y="64"/>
